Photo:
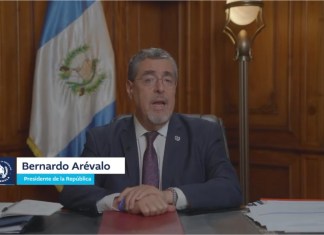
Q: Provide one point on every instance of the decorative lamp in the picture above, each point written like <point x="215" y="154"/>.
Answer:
<point x="240" y="17"/>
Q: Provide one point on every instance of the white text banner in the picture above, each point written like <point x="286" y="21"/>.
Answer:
<point x="65" y="165"/>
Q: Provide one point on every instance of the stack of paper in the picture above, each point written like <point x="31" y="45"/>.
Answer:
<point x="28" y="207"/>
<point x="14" y="224"/>
<point x="290" y="216"/>
<point x="15" y="216"/>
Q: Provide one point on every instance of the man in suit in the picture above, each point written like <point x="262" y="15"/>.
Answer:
<point x="193" y="171"/>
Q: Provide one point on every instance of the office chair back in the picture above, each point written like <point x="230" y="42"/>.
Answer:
<point x="208" y="117"/>
<point x="213" y="118"/>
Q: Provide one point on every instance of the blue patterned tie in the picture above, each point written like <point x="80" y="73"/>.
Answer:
<point x="150" y="174"/>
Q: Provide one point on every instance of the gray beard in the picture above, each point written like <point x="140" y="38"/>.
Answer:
<point x="158" y="120"/>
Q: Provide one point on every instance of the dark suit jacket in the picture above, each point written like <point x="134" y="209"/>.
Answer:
<point x="197" y="164"/>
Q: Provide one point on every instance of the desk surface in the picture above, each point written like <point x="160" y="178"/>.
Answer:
<point x="229" y="222"/>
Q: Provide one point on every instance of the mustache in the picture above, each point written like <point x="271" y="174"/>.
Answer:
<point x="159" y="99"/>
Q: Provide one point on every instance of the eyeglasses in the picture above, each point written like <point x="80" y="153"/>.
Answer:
<point x="151" y="81"/>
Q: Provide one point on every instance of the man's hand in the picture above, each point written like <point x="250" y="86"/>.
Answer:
<point x="151" y="205"/>
<point x="136" y="193"/>
<point x="147" y="200"/>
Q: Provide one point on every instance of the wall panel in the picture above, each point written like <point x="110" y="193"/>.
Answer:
<point x="312" y="170"/>
<point x="274" y="175"/>
<point x="9" y="78"/>
<point x="286" y="81"/>
<point x="313" y="92"/>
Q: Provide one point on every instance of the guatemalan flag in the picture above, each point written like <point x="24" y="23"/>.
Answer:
<point x="74" y="81"/>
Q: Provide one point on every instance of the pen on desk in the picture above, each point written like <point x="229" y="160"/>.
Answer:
<point x="7" y="208"/>
<point x="121" y="205"/>
<point x="4" y="209"/>
<point x="256" y="203"/>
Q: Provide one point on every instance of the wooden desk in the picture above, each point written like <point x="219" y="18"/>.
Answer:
<point x="228" y="222"/>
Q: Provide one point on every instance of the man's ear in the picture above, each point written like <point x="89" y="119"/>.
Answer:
<point x="129" y="89"/>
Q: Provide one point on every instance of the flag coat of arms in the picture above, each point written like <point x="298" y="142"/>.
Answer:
<point x="74" y="79"/>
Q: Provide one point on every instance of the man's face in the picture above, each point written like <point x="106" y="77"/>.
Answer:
<point x="153" y="92"/>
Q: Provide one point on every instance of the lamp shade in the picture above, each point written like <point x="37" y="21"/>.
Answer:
<point x="242" y="12"/>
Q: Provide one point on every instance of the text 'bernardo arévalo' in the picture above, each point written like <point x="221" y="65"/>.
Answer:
<point x="70" y="165"/>
<point x="63" y="166"/>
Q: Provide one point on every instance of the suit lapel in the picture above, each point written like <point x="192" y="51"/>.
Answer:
<point x="175" y="152"/>
<point x="128" y="139"/>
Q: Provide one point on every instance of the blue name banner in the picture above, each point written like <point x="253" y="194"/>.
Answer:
<point x="55" y="179"/>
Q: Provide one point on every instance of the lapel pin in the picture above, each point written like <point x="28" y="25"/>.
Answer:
<point x="177" y="138"/>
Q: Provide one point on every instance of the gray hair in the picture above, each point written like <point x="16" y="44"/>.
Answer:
<point x="149" y="53"/>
